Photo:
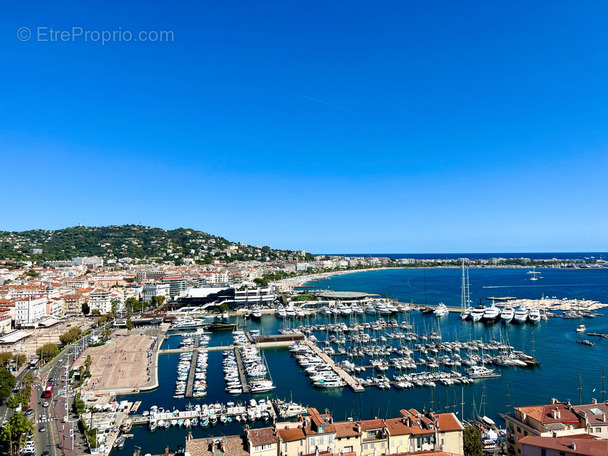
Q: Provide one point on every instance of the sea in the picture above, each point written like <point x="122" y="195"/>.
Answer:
<point x="568" y="371"/>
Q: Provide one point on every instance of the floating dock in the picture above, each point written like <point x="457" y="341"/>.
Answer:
<point x="350" y="381"/>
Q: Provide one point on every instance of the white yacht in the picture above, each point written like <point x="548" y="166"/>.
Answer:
<point x="280" y="312"/>
<point x="370" y="310"/>
<point x="507" y="314"/>
<point x="477" y="313"/>
<point x="521" y="315"/>
<point x="441" y="310"/>
<point x="491" y="314"/>
<point x="581" y="328"/>
<point x="466" y="313"/>
<point x="534" y="315"/>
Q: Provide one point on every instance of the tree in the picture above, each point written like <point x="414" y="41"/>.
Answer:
<point x="15" y="432"/>
<point x="19" y="360"/>
<point x="7" y="383"/>
<point x="224" y="307"/>
<point x="472" y="441"/>
<point x="87" y="363"/>
<point x="5" y="358"/>
<point x="129" y="324"/>
<point x="13" y="401"/>
<point x="47" y="351"/>
<point x="86" y="309"/>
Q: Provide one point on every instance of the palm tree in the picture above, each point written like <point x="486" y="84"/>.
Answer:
<point x="15" y="432"/>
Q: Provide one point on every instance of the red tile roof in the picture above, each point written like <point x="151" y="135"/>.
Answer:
<point x="584" y="447"/>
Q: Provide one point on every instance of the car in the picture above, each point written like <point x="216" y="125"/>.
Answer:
<point x="42" y="417"/>
<point x="42" y="428"/>
<point x="29" y="412"/>
<point x="46" y="404"/>
<point x="45" y="453"/>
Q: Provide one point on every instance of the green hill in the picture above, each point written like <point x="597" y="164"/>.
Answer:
<point x="134" y="241"/>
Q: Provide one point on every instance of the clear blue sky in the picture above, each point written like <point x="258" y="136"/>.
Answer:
<point x="332" y="126"/>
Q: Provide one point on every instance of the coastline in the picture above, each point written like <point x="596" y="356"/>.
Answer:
<point x="302" y="280"/>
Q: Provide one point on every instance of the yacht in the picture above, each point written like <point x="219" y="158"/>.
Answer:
<point x="581" y="328"/>
<point x="521" y="315"/>
<point x="370" y="310"/>
<point x="256" y="313"/>
<point x="491" y="314"/>
<point x="507" y="314"/>
<point x="466" y="314"/>
<point x="441" y="310"/>
<point x="477" y="313"/>
<point x="534" y="315"/>
<point x="479" y="372"/>
<point x="280" y="312"/>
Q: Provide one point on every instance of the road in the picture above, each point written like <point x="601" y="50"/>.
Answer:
<point x="55" y="438"/>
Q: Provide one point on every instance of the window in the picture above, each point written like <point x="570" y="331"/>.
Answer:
<point x="518" y="429"/>
<point x="543" y="452"/>
<point x="598" y="429"/>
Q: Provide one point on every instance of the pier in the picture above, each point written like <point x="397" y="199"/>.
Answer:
<point x="350" y="381"/>
<point x="190" y="382"/>
<point x="243" y="378"/>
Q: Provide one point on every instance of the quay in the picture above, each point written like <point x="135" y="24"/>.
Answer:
<point x="605" y="335"/>
<point x="350" y="381"/>
<point x="243" y="378"/>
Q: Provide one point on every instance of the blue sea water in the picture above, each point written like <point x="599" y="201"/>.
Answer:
<point x="554" y="343"/>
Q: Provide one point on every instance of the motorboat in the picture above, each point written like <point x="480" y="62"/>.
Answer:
<point x="534" y="315"/>
<point x="506" y="314"/>
<point x="441" y="310"/>
<point x="521" y="314"/>
<point x="491" y="314"/>
<point x="477" y="313"/>
<point x="581" y="329"/>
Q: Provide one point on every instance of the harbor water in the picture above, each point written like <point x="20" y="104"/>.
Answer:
<point x="563" y="361"/>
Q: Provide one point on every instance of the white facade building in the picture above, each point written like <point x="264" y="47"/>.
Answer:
<point x="29" y="310"/>
<point x="100" y="300"/>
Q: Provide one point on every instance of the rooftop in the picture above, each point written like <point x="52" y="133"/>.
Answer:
<point x="578" y="446"/>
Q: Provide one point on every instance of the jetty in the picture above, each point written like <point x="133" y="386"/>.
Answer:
<point x="352" y="383"/>
<point x="190" y="382"/>
<point x="241" y="368"/>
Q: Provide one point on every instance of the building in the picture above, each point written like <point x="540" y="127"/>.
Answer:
<point x="374" y="437"/>
<point x="563" y="446"/>
<point x="422" y="428"/>
<point x="551" y="420"/>
<point x="292" y="441"/>
<point x="89" y="262"/>
<point x="101" y="301"/>
<point x="5" y="323"/>
<point x="348" y="438"/>
<point x="594" y="418"/>
<point x="320" y="431"/>
<point x="151" y="290"/>
<point x="177" y="285"/>
<point x="262" y="442"/>
<point x="260" y="296"/>
<point x="72" y="304"/>
<point x="450" y="433"/>
<point x="29" y="310"/>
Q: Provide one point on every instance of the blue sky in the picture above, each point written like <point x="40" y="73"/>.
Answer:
<point x="340" y="126"/>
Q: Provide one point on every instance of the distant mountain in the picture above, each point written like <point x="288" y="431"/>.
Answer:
<point x="134" y="241"/>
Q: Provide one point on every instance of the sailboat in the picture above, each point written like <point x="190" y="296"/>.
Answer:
<point x="534" y="274"/>
<point x="465" y="313"/>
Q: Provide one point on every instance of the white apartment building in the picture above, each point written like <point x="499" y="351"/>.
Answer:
<point x="100" y="300"/>
<point x="30" y="310"/>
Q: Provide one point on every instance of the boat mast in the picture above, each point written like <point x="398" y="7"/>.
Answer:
<point x="603" y="389"/>
<point x="463" y="292"/>
<point x="580" y="390"/>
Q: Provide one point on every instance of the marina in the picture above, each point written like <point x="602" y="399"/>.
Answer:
<point x="392" y="378"/>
